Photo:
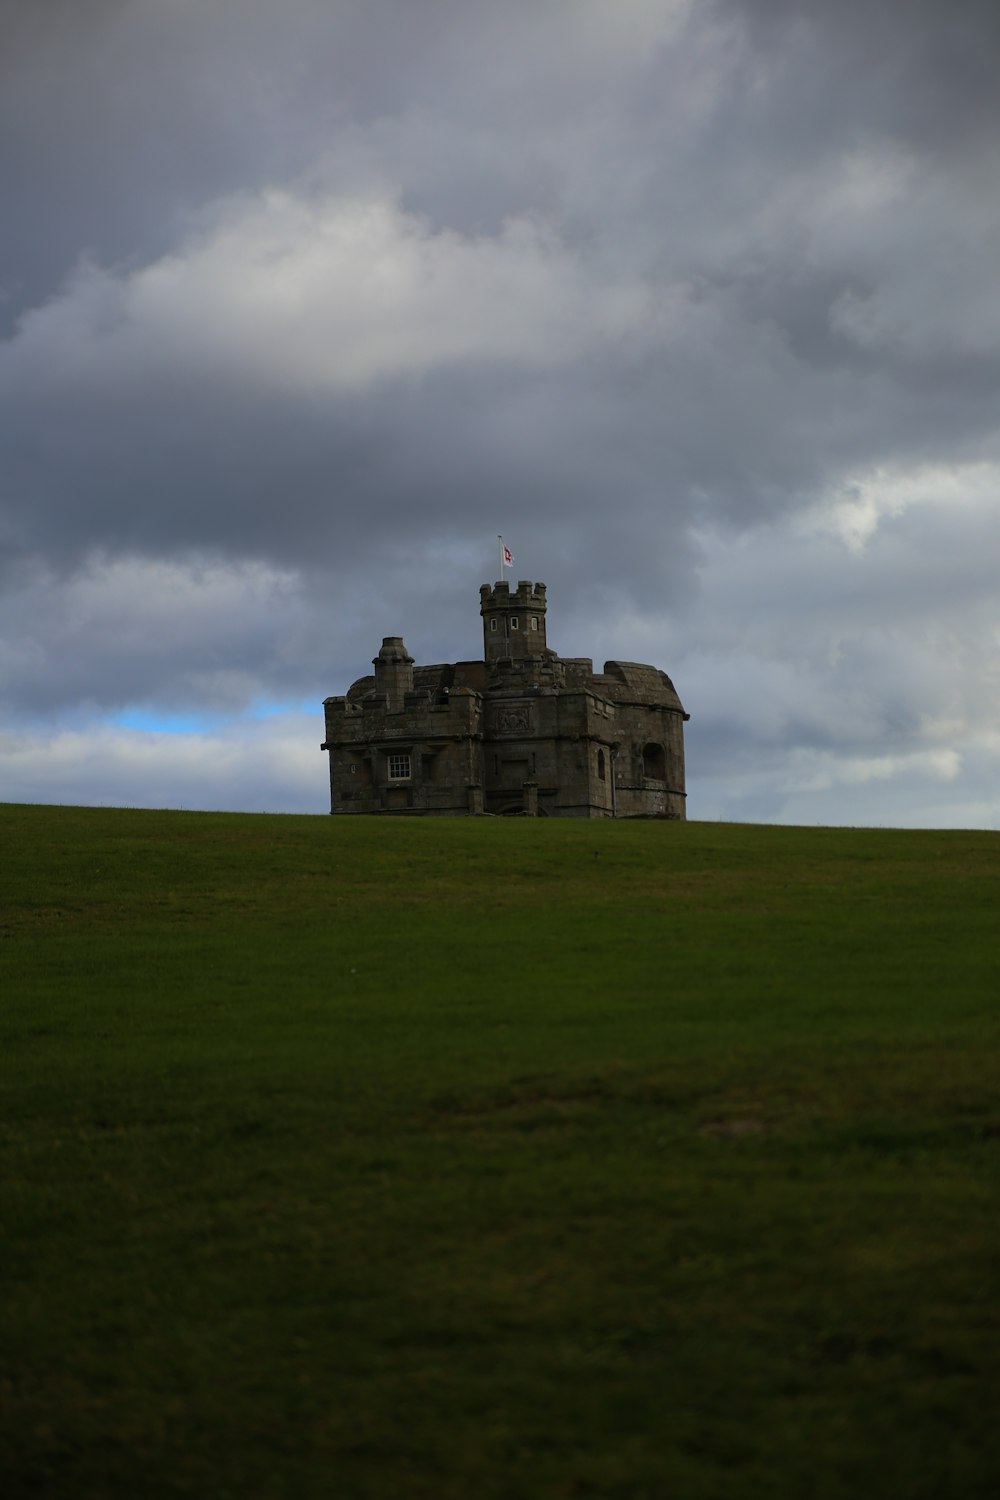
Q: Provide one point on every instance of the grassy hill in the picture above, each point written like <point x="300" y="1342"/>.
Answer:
<point x="490" y="1158"/>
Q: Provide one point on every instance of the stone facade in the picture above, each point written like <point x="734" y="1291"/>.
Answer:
<point x="523" y="731"/>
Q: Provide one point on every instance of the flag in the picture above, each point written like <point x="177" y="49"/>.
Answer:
<point x="507" y="557"/>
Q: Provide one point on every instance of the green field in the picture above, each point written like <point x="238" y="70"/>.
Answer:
<point x="486" y="1159"/>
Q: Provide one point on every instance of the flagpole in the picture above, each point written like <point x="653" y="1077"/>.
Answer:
<point x="500" y="540"/>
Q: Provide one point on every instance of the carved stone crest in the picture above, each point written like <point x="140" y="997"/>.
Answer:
<point x="513" y="720"/>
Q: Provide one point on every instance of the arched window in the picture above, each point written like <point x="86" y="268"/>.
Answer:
<point x="600" y="766"/>
<point x="653" y="762"/>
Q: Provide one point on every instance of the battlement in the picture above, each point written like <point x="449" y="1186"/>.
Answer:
<point x="527" y="595"/>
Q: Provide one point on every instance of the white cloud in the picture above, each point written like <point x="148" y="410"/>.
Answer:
<point x="331" y="294"/>
<point x="817" y="669"/>
<point x="861" y="503"/>
<point x="266" y="766"/>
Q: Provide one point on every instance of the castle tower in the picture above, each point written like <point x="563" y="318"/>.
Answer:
<point x="393" y="671"/>
<point x="513" y="621"/>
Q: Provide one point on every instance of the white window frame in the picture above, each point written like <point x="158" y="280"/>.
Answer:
<point x="534" y="622"/>
<point x="493" y="623"/>
<point x="514" y="623"/>
<point x="395" y="762"/>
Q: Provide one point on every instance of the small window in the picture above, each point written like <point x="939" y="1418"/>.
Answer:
<point x="493" y="623"/>
<point x="600" y="766"/>
<point x="399" y="767"/>
<point x="354" y="769"/>
<point x="514" y="623"/>
<point x="534" y="622"/>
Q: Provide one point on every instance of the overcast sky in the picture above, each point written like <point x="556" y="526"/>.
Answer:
<point x="698" y="303"/>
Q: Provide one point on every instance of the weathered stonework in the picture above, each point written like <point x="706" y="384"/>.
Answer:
<point x="523" y="731"/>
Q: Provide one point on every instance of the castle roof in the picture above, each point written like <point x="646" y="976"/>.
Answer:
<point x="635" y="682"/>
<point x="620" y="682"/>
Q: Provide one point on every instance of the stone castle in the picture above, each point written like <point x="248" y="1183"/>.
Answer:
<point x="523" y="731"/>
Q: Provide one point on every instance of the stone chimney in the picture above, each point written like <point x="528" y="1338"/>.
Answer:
<point x="393" y="671"/>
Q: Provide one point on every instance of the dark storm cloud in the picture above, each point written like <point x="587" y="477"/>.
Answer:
<point x="916" y="69"/>
<point x="303" y="304"/>
<point x="120" y="118"/>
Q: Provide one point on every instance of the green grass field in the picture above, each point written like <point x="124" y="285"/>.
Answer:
<point x="497" y="1158"/>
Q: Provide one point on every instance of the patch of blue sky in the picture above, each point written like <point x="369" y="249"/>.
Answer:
<point x="193" y="721"/>
<point x="157" y="721"/>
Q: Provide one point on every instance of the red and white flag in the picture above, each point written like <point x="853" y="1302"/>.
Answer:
<point x="507" y="557"/>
